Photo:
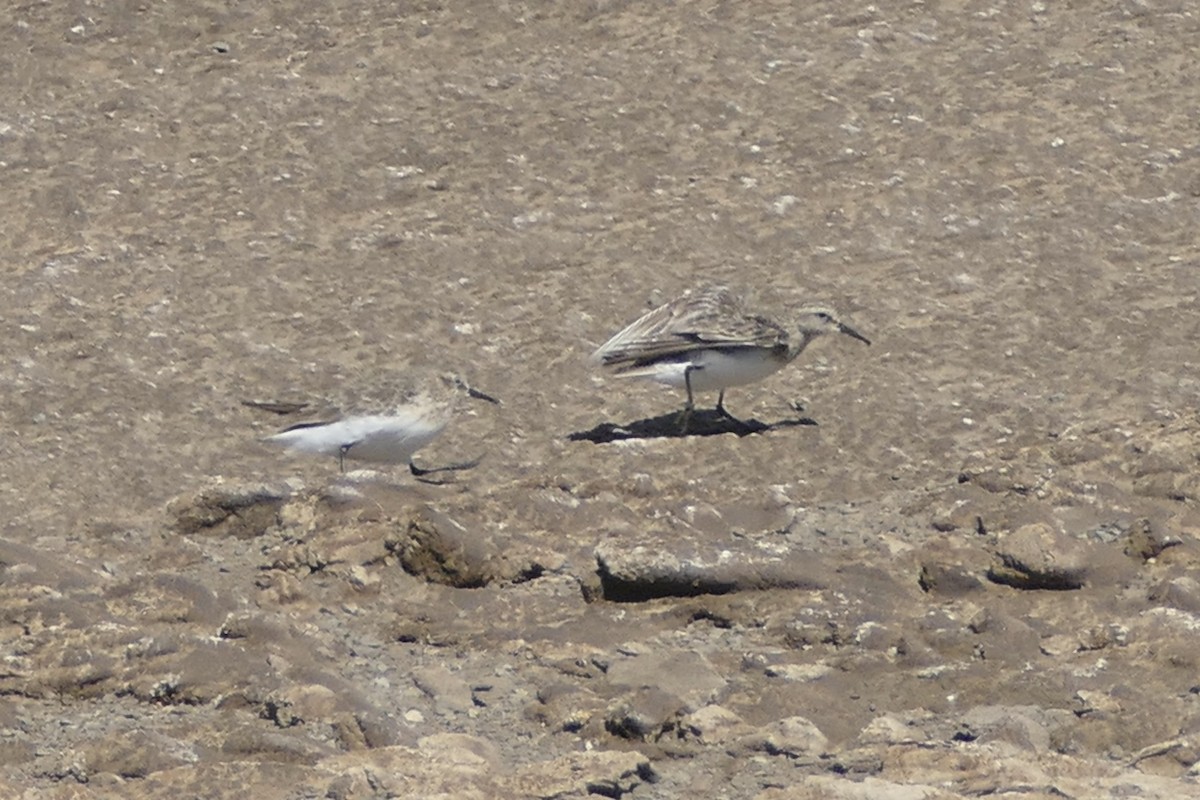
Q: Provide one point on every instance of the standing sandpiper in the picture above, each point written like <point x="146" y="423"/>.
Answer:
<point x="384" y="424"/>
<point x="709" y="341"/>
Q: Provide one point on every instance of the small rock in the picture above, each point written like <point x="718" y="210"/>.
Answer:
<point x="782" y="203"/>
<point x="1024" y="727"/>
<point x="642" y="485"/>
<point x="1000" y="481"/>
<point x="1004" y="639"/>
<point x="713" y="724"/>
<point x="441" y="549"/>
<point x="132" y="755"/>
<point x="1090" y="702"/>
<point x="686" y="676"/>
<point x="368" y="730"/>
<point x="891" y="729"/>
<point x="1071" y="451"/>
<point x="1168" y="485"/>
<point x="948" y="578"/>
<point x="251" y="625"/>
<point x="644" y="714"/>
<point x="1060" y="645"/>
<point x="793" y="737"/>
<point x="1037" y="556"/>
<point x="310" y="702"/>
<point x="461" y="750"/>
<point x="252" y="741"/>
<point x="608" y="773"/>
<point x="1182" y="593"/>
<point x="279" y="588"/>
<point x="876" y="637"/>
<point x="363" y="579"/>
<point x="566" y="706"/>
<point x="242" y="511"/>
<point x="448" y="692"/>
<point x="689" y="569"/>
<point x="799" y="672"/>
<point x="1142" y="542"/>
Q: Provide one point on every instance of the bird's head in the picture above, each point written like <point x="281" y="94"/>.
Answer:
<point x="814" y="321"/>
<point x="457" y="383"/>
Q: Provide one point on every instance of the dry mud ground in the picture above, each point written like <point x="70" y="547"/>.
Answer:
<point x="974" y="576"/>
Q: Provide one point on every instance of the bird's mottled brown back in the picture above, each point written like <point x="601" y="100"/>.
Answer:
<point x="713" y="317"/>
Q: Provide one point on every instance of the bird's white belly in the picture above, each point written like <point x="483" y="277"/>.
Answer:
<point x="377" y="438"/>
<point x="715" y="370"/>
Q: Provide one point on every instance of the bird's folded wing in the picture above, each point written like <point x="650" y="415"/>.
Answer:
<point x="281" y="407"/>
<point x="302" y="413"/>
<point x="716" y="317"/>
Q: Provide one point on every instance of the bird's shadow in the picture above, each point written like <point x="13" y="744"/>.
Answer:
<point x="667" y="426"/>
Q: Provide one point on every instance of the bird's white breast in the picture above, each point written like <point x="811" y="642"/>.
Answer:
<point x="714" y="370"/>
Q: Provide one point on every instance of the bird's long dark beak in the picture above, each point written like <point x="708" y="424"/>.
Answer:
<point x="478" y="395"/>
<point x="846" y="329"/>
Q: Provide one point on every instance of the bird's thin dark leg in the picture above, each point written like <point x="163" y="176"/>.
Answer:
<point x="724" y="412"/>
<point x="342" y="452"/>
<point x="721" y="407"/>
<point x="686" y="414"/>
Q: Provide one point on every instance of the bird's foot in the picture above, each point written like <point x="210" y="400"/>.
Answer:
<point x="722" y="411"/>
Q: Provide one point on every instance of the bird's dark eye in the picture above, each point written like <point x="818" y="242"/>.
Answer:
<point x="825" y="317"/>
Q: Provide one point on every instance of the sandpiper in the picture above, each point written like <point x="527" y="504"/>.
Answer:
<point x="384" y="424"/>
<point x="708" y="340"/>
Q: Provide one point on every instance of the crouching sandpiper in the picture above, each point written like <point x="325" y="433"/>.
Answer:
<point x="384" y="424"/>
<point x="708" y="340"/>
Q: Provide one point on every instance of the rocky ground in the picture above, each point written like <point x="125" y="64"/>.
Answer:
<point x="974" y="575"/>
